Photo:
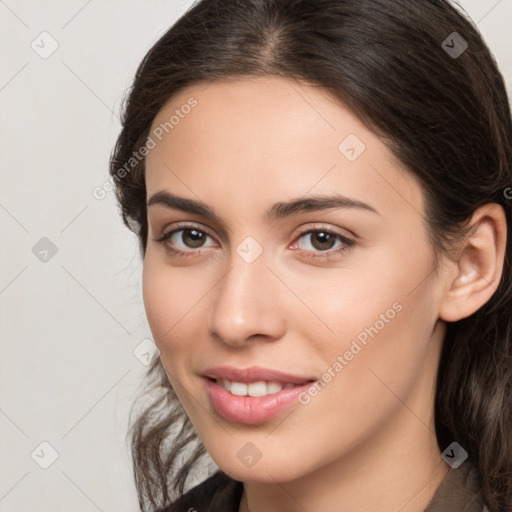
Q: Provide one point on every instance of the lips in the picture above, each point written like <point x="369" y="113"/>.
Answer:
<point x="251" y="410"/>
<point x="255" y="374"/>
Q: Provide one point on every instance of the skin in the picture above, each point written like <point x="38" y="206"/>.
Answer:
<point x="367" y="440"/>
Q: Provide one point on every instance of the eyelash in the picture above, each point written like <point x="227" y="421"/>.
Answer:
<point x="347" y="242"/>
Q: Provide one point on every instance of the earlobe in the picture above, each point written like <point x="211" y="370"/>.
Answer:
<point x="478" y="269"/>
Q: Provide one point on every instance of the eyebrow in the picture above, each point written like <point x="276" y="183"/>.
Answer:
<point x="277" y="211"/>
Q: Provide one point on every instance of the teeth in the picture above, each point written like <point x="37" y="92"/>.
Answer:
<point x="260" y="388"/>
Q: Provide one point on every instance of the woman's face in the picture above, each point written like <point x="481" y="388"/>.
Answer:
<point x="352" y="304"/>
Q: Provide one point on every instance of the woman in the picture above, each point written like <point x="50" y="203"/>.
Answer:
<point x="322" y="195"/>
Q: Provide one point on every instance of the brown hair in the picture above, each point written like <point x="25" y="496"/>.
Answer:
<point x="446" y="116"/>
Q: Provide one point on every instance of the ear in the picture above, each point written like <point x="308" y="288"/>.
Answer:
<point x="476" y="271"/>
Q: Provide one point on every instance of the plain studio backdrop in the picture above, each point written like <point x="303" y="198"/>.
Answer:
<point x="74" y="338"/>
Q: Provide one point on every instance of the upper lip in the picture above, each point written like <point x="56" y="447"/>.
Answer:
<point x="254" y="374"/>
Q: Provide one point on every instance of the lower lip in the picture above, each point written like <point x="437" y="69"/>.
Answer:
<point x="252" y="409"/>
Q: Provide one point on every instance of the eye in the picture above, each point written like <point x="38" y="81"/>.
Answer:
<point x="322" y="241"/>
<point x="192" y="237"/>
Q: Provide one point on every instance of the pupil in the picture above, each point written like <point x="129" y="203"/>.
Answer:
<point x="325" y="243"/>
<point x="197" y="237"/>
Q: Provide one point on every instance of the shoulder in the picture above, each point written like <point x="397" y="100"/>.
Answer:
<point x="218" y="493"/>
<point x="460" y="490"/>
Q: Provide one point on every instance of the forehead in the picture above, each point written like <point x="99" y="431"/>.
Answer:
<point x="271" y="112"/>
<point x="271" y="137"/>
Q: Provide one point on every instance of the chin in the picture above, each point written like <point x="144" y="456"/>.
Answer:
<point x="267" y="472"/>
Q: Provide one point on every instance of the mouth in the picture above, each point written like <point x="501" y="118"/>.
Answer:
<point x="256" y="388"/>
<point x="253" y="402"/>
<point x="254" y="375"/>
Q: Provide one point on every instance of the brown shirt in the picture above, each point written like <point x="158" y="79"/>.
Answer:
<point x="458" y="492"/>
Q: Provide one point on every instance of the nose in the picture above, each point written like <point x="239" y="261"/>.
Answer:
<point x="248" y="303"/>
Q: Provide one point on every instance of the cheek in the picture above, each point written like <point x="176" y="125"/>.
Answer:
<point x="166" y="312"/>
<point x="378" y="318"/>
<point x="176" y="305"/>
<point x="343" y="301"/>
<point x="155" y="293"/>
<point x="370" y="367"/>
<point x="167" y="301"/>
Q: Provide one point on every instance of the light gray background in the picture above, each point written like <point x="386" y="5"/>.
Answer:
<point x="69" y="325"/>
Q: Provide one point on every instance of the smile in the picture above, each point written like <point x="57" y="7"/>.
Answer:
<point x="259" y="388"/>
<point x="238" y="405"/>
